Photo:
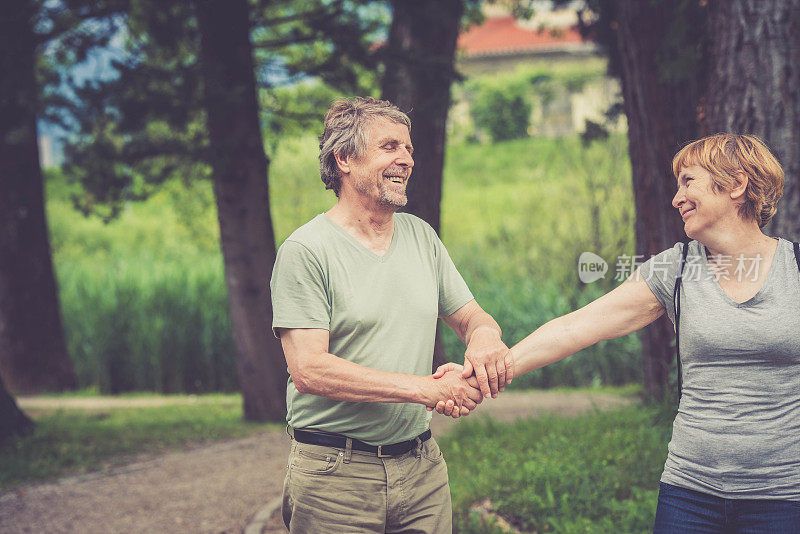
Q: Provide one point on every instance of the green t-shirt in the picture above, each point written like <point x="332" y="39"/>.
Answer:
<point x="381" y="312"/>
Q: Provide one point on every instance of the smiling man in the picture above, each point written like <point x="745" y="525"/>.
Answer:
<point x="357" y="292"/>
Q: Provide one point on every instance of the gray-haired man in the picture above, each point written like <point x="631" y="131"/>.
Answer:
<point x="356" y="295"/>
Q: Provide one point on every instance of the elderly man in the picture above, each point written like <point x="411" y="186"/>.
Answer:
<point x="356" y="295"/>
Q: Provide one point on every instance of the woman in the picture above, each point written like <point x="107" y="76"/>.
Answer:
<point x="734" y="457"/>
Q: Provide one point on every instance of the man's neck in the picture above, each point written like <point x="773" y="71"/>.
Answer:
<point x="371" y="226"/>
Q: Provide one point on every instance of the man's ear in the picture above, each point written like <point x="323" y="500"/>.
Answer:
<point x="343" y="163"/>
<point x="740" y="187"/>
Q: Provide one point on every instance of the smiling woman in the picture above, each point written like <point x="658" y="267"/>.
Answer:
<point x="735" y="294"/>
<point x="725" y="172"/>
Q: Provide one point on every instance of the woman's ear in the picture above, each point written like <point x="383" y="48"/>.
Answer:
<point x="343" y="163"/>
<point x="741" y="185"/>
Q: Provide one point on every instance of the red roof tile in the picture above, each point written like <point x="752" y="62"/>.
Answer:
<point x="503" y="35"/>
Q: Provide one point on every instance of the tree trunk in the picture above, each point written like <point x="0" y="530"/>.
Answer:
<point x="661" y="117"/>
<point x="240" y="185"/>
<point x="13" y="422"/>
<point x="754" y="77"/>
<point x="33" y="354"/>
<point x="420" y="68"/>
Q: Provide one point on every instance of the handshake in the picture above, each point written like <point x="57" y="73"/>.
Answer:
<point x="455" y="390"/>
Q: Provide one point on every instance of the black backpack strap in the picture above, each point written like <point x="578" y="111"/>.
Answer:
<point x="676" y="301"/>
<point x="797" y="254"/>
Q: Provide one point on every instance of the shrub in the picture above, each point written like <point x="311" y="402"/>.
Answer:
<point x="504" y="112"/>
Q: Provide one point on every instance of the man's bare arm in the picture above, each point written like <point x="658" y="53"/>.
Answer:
<point x="316" y="371"/>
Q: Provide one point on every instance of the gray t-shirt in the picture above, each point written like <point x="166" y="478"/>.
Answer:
<point x="381" y="312"/>
<point x="737" y="431"/>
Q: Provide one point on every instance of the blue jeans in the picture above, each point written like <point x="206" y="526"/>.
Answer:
<point x="687" y="511"/>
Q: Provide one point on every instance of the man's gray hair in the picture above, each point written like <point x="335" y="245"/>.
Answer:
<point x="345" y="133"/>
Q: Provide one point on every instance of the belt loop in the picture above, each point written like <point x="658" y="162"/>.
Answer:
<point x="348" y="450"/>
<point x="418" y="448"/>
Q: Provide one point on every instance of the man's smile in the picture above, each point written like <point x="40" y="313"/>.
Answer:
<point x="396" y="176"/>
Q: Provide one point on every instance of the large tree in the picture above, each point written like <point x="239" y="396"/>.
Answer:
<point x="33" y="355"/>
<point x="13" y="422"/>
<point x="239" y="164"/>
<point x="660" y="106"/>
<point x="419" y="60"/>
<point x="690" y="68"/>
<point x="752" y="61"/>
<point x="420" y="68"/>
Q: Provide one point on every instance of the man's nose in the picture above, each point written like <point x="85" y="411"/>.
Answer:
<point x="405" y="159"/>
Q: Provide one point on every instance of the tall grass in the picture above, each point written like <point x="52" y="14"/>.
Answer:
<point x="516" y="216"/>
<point x="144" y="300"/>
<point x="149" y="324"/>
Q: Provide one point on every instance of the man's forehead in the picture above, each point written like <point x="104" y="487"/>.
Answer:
<point x="381" y="127"/>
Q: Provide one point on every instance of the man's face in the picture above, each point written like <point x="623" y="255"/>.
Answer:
<point x="382" y="172"/>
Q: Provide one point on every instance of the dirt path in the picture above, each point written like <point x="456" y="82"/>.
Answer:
<point x="215" y="488"/>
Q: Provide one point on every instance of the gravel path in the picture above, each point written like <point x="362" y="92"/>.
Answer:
<point x="226" y="487"/>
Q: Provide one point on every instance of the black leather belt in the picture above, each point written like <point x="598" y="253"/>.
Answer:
<point x="340" y="442"/>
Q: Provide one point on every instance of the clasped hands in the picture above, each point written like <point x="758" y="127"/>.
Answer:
<point x="488" y="367"/>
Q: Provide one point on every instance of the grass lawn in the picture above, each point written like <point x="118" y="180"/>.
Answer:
<point x="595" y="473"/>
<point x="72" y="441"/>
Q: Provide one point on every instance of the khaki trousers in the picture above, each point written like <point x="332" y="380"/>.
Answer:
<point x="331" y="490"/>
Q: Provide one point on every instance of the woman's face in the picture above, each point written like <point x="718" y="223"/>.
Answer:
<point x="700" y="207"/>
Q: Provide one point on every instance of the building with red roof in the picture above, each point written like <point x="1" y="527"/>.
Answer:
<point x="548" y="44"/>
<point x="502" y="42"/>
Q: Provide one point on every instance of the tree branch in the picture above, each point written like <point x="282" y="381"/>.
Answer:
<point x="279" y="43"/>
<point x="324" y="12"/>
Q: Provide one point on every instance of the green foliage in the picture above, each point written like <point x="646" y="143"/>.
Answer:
<point x="78" y="441"/>
<point x="511" y="105"/>
<point x="530" y="207"/>
<point x="149" y="324"/>
<point x="143" y="297"/>
<point x="296" y="191"/>
<point x="503" y="111"/>
<point x="595" y="473"/>
<point x="146" y="124"/>
<point x="144" y="301"/>
<point x="516" y="216"/>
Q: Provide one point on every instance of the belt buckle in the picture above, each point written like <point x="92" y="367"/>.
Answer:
<point x="380" y="453"/>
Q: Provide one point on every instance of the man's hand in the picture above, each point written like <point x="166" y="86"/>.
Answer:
<point x="450" y="388"/>
<point x="448" y="406"/>
<point x="489" y="359"/>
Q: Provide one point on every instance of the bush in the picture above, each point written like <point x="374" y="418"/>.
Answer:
<point x="149" y="324"/>
<point x="504" y="112"/>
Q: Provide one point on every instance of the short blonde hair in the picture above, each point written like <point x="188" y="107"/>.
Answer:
<point x="725" y="156"/>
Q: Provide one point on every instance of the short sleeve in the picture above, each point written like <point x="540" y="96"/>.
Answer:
<point x="660" y="273"/>
<point x="453" y="290"/>
<point x="299" y="295"/>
